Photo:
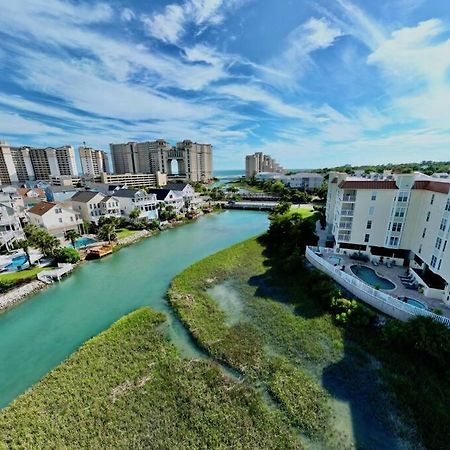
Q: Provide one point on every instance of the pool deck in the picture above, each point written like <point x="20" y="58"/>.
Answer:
<point x="392" y="274"/>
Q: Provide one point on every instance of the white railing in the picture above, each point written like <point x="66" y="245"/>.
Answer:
<point x="345" y="226"/>
<point x="343" y="238"/>
<point x="349" y="198"/>
<point x="379" y="300"/>
<point x="347" y="212"/>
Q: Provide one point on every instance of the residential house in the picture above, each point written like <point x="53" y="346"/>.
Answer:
<point x="55" y="218"/>
<point x="131" y="199"/>
<point x="93" y="205"/>
<point x="192" y="199"/>
<point x="31" y="196"/>
<point x="10" y="226"/>
<point x="168" y="197"/>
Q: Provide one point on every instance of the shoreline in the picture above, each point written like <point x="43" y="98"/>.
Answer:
<point x="19" y="294"/>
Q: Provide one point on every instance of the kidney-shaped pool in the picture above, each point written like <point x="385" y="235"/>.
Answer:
<point x="369" y="276"/>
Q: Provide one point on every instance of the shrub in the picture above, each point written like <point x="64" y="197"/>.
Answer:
<point x="67" y="255"/>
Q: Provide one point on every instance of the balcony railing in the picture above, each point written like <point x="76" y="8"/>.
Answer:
<point x="349" y="198"/>
<point x="345" y="225"/>
<point x="343" y="238"/>
<point x="347" y="212"/>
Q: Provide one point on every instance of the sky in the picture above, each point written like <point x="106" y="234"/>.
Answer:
<point x="313" y="83"/>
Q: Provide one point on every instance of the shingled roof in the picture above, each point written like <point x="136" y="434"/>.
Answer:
<point x="433" y="186"/>
<point x="84" y="196"/>
<point x="369" y="184"/>
<point x="41" y="208"/>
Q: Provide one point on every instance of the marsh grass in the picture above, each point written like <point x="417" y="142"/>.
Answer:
<point x="128" y="388"/>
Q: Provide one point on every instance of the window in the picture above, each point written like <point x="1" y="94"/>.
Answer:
<point x="433" y="261"/>
<point x="428" y="216"/>
<point x="369" y="224"/>
<point x="424" y="232"/>
<point x="438" y="243"/>
<point x="420" y="248"/>
<point x="445" y="245"/>
<point x="439" y="265"/>
<point x="71" y="218"/>
<point x="374" y="196"/>
<point x="58" y="210"/>
<point x="60" y="220"/>
<point x="443" y="224"/>
<point x="397" y="226"/>
<point x="403" y="196"/>
<point x="400" y="212"/>
<point x="447" y="205"/>
<point x="432" y="201"/>
<point x="371" y="210"/>
<point x="366" y="238"/>
<point x="393" y="240"/>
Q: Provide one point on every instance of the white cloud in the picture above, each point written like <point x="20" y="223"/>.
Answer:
<point x="11" y="123"/>
<point x="127" y="15"/>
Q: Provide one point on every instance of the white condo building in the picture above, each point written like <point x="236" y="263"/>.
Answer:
<point x="20" y="164"/>
<point x="259" y="162"/>
<point x="404" y="218"/>
<point x="93" y="162"/>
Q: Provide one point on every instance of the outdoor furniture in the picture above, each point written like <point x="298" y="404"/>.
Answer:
<point x="375" y="263"/>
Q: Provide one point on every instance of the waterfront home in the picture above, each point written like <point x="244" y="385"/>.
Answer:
<point x="10" y="226"/>
<point x="395" y="219"/>
<point x="192" y="200"/>
<point x="131" y="199"/>
<point x="93" y="205"/>
<point x="167" y="197"/>
<point x="31" y="196"/>
<point x="56" y="218"/>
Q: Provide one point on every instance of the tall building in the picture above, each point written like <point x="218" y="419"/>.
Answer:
<point x="193" y="160"/>
<point x="259" y="162"/>
<point x="93" y="162"/>
<point x="405" y="217"/>
<point x="20" y="164"/>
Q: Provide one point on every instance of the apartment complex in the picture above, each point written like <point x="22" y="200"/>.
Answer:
<point x="93" y="162"/>
<point x="193" y="160"/>
<point x="403" y="217"/>
<point x="259" y="162"/>
<point x="20" y="164"/>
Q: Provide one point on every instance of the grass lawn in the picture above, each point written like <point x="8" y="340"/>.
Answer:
<point x="123" y="233"/>
<point x="22" y="275"/>
<point x="304" y="211"/>
<point x="128" y="388"/>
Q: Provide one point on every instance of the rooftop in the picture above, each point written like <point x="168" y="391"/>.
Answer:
<point x="41" y="208"/>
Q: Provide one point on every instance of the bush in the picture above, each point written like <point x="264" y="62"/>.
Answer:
<point x="352" y="313"/>
<point x="67" y="255"/>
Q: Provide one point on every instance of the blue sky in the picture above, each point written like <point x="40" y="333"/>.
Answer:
<point x="313" y="83"/>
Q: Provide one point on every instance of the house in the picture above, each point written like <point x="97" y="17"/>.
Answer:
<point x="10" y="226"/>
<point x="192" y="199"/>
<point x="31" y="196"/>
<point x="131" y="199"/>
<point x="169" y="198"/>
<point x="55" y="218"/>
<point x="93" y="205"/>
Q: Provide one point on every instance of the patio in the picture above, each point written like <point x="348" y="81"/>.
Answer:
<point x="390" y="273"/>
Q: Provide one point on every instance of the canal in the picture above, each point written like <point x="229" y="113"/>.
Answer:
<point x="38" y="334"/>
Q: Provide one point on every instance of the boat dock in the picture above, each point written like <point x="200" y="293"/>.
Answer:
<point x="99" y="252"/>
<point x="49" y="276"/>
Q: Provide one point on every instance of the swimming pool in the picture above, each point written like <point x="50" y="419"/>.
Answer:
<point x="83" y="242"/>
<point x="17" y="261"/>
<point x="335" y="260"/>
<point x="416" y="303"/>
<point x="369" y="276"/>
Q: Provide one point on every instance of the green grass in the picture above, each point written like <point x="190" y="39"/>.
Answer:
<point x="304" y="211"/>
<point x="123" y="233"/>
<point x="22" y="275"/>
<point x="128" y="388"/>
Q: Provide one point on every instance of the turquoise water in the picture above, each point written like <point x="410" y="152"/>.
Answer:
<point x="370" y="277"/>
<point x="38" y="334"/>
<point x="17" y="261"/>
<point x="82" y="242"/>
<point x="416" y="303"/>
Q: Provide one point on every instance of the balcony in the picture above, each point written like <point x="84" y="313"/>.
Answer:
<point x="345" y="225"/>
<point x="343" y="238"/>
<point x="349" y="198"/>
<point x="347" y="212"/>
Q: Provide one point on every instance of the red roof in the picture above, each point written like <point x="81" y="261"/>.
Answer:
<point x="41" y="208"/>
<point x="369" y="184"/>
<point x="433" y="186"/>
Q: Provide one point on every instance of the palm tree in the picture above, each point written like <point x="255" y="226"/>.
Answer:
<point x="72" y="236"/>
<point x="25" y="245"/>
<point x="48" y="244"/>
<point x="135" y="213"/>
<point x="107" y="232"/>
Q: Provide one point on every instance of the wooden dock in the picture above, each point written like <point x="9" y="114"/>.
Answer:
<point x="49" y="276"/>
<point x="99" y="252"/>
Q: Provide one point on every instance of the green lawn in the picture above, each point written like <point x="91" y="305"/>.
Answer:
<point x="128" y="388"/>
<point x="304" y="211"/>
<point x="23" y="275"/>
<point x="123" y="233"/>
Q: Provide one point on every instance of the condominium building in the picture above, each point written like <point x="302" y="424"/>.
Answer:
<point x="20" y="164"/>
<point x="93" y="162"/>
<point x="193" y="161"/>
<point x="259" y="162"/>
<point x="404" y="218"/>
<point x="303" y="180"/>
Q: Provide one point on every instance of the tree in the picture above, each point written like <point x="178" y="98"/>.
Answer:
<point x="25" y="245"/>
<point x="282" y="208"/>
<point x="107" y="232"/>
<point x="67" y="255"/>
<point x="41" y="239"/>
<point x="72" y="236"/>
<point x="135" y="213"/>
